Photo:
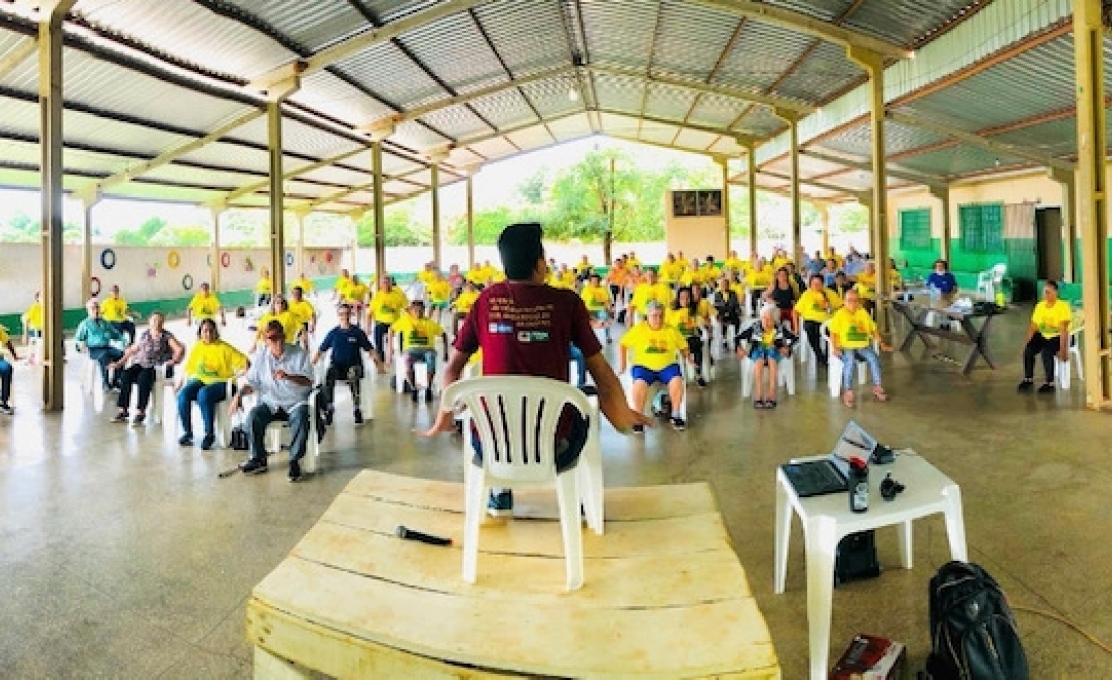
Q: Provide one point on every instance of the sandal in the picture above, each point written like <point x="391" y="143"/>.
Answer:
<point x="847" y="398"/>
<point x="880" y="394"/>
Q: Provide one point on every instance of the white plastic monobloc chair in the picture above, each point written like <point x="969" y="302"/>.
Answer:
<point x="516" y="418"/>
<point x="1062" y="369"/>
<point x="312" y="446"/>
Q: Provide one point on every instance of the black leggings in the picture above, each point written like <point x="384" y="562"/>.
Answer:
<point x="351" y="373"/>
<point x="1048" y="348"/>
<point x="814" y="336"/>
<point x="382" y="331"/>
<point x="695" y="346"/>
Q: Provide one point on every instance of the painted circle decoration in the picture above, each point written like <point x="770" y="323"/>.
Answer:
<point x="226" y="260"/>
<point x="94" y="286"/>
<point x="173" y="259"/>
<point x="289" y="259"/>
<point x="328" y="257"/>
<point x="187" y="282"/>
<point x="108" y="258"/>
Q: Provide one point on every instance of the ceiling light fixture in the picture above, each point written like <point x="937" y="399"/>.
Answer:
<point x="573" y="94"/>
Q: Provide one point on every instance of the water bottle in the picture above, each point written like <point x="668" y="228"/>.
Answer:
<point x="858" y="485"/>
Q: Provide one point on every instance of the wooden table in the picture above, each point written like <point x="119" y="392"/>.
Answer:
<point x="976" y="338"/>
<point x="827" y="519"/>
<point x="664" y="597"/>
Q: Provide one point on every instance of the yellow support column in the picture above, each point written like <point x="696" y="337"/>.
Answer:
<point x="50" y="125"/>
<point x="1092" y="212"/>
<point x="792" y="119"/>
<point x="299" y="216"/>
<point x="435" y="197"/>
<point x="724" y="162"/>
<point x="873" y="64"/>
<point x="277" y="196"/>
<point x="88" y="199"/>
<point x="751" y="179"/>
<point x="1068" y="182"/>
<point x="470" y="190"/>
<point x="824" y="215"/>
<point x="214" y="251"/>
<point x="943" y="195"/>
<point x="379" y="208"/>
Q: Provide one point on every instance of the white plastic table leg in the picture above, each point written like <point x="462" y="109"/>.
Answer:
<point x="955" y="523"/>
<point x="821" y="536"/>
<point x="905" y="532"/>
<point x="783" y="538"/>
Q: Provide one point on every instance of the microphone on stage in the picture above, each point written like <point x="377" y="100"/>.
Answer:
<point x="411" y="535"/>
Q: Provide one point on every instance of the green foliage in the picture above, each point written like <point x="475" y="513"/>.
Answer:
<point x="143" y="235"/>
<point x="183" y="235"/>
<point x="850" y="219"/>
<point x="24" y="229"/>
<point x="402" y="227"/>
<point x="488" y="225"/>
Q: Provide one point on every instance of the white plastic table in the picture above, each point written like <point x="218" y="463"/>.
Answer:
<point x="827" y="519"/>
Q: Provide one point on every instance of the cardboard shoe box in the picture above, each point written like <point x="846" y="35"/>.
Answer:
<point x="871" y="657"/>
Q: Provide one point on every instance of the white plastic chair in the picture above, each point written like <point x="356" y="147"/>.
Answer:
<point x="420" y="368"/>
<point x="834" y="364"/>
<point x="223" y="420"/>
<point x="158" y="393"/>
<point x="989" y="280"/>
<point x="503" y="409"/>
<point x="275" y="429"/>
<point x="785" y="375"/>
<point x="656" y="387"/>
<point x="366" y="402"/>
<point x="1062" y="369"/>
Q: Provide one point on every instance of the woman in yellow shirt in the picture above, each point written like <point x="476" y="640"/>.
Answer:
<point x="1048" y="334"/>
<point x="851" y="331"/>
<point x="279" y="311"/>
<point x="211" y="363"/>
<point x="385" y="309"/>
<point x="263" y="288"/>
<point x="683" y="315"/>
<point x="654" y="345"/>
<point x="815" y="306"/>
<point x="597" y="300"/>
<point x="758" y="279"/>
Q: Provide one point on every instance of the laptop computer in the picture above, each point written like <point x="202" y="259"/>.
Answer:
<point x="828" y="475"/>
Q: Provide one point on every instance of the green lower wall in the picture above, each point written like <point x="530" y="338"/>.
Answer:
<point x="1019" y="254"/>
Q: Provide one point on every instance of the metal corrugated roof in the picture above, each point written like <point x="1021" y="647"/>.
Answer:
<point x="690" y="40"/>
<point x="332" y="96"/>
<point x="515" y="26"/>
<point x="760" y="56"/>
<point x="311" y="25"/>
<point x="619" y="31"/>
<point x="394" y="77"/>
<point x="505" y="109"/>
<point x="454" y="49"/>
<point x="664" y="101"/>
<point x="824" y="73"/>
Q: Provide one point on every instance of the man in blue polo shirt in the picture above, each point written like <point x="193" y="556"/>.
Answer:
<point x="345" y="340"/>
<point x="942" y="280"/>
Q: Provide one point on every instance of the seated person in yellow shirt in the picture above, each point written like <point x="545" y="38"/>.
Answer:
<point x="815" y="306"/>
<point x="683" y="315"/>
<point x="866" y="286"/>
<point x="279" y="311"/>
<point x="654" y="345"/>
<point x="115" y="311"/>
<point x="303" y="283"/>
<point x="263" y="288"/>
<point x="648" y="290"/>
<point x="387" y="306"/>
<point x="439" y="292"/>
<point x="733" y="262"/>
<point x="428" y="274"/>
<point x="758" y="279"/>
<point x="461" y="306"/>
<point x="204" y="305"/>
<point x="302" y="309"/>
<point x="1048" y="335"/>
<point x="209" y="366"/>
<point x="851" y="331"/>
<point x="32" y="325"/>
<point x="418" y="335"/>
<point x="355" y="295"/>
<point x="339" y="290"/>
<point x="669" y="272"/>
<point x="597" y="299"/>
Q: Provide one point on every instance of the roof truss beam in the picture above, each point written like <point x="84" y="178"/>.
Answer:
<point x="907" y="175"/>
<point x="742" y="140"/>
<point x="770" y="101"/>
<point x="981" y="142"/>
<point x="803" y="23"/>
<point x="861" y="196"/>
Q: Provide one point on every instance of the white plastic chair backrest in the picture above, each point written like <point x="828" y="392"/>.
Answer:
<point x="516" y="417"/>
<point x="998" y="272"/>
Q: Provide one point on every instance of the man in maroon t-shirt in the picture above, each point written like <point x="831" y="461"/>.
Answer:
<point x="526" y="327"/>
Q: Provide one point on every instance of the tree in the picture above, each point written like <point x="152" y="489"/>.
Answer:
<point x="143" y="235"/>
<point x="533" y="188"/>
<point x="489" y="224"/>
<point x="401" y="228"/>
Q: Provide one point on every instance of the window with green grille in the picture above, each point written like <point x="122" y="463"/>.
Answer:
<point x="982" y="227"/>
<point x="915" y="229"/>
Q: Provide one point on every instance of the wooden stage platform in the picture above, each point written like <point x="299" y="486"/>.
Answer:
<point x="664" y="595"/>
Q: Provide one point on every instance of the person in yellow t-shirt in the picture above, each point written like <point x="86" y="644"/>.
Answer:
<point x="209" y="366"/>
<point x="851" y="330"/>
<point x="815" y="306"/>
<point x="339" y="289"/>
<point x="303" y="283"/>
<point x="204" y="305"/>
<point x="418" y="343"/>
<point x="355" y="295"/>
<point x="114" y="310"/>
<point x="669" y="272"/>
<point x="684" y="315"/>
<point x="758" y="279"/>
<point x="866" y="285"/>
<point x="632" y="261"/>
<point x="1048" y="335"/>
<point x="654" y="345"/>
<point x="709" y="271"/>
<point x="32" y="325"/>
<point x="263" y="288"/>
<point x="583" y="268"/>
<point x="597" y="300"/>
<point x="733" y="262"/>
<point x="428" y="274"/>
<point x="439" y="292"/>
<point x="387" y="306"/>
<point x="649" y="290"/>
<point x="302" y="309"/>
<point x="279" y="311"/>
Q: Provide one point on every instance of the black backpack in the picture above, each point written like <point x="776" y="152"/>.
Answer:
<point x="973" y="631"/>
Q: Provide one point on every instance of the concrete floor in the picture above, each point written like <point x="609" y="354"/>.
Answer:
<point x="122" y="554"/>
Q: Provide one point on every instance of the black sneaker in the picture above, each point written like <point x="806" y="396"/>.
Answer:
<point x="1025" y="386"/>
<point x="253" y="467"/>
<point x="6" y="409"/>
<point x="295" y="472"/>
<point x="139" y="418"/>
<point x="186" y="440"/>
<point x="500" y="504"/>
<point x="701" y="381"/>
<point x="121" y="417"/>
<point x="414" y="395"/>
<point x="1046" y="388"/>
<point x="638" y="429"/>
<point x="358" y="416"/>
<point x="678" y="424"/>
<point x="328" y="416"/>
<point x="208" y="441"/>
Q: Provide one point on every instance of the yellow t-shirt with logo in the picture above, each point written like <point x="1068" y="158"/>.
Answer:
<point x="387" y="307"/>
<point x="33" y="316"/>
<point x="465" y="300"/>
<point x="683" y="321"/>
<point x="439" y="291"/>
<point x="304" y="284"/>
<point x="596" y="298"/>
<point x="355" y="293"/>
<point x="759" y="279"/>
<point x="426" y="277"/>
<point x="1049" y="320"/>
<point x="854" y="331"/>
<point x="302" y="310"/>
<point x="645" y="292"/>
<point x="654" y="349"/>
<point x="866" y="286"/>
<point x="114" y="309"/>
<point x="735" y="263"/>
<point x="341" y="287"/>
<point x="417" y="333"/>
<point x="214" y="362"/>
<point x="204" y="306"/>
<point x="817" y="306"/>
<point x="291" y="324"/>
<point x="670" y="271"/>
<point x="263" y="287"/>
